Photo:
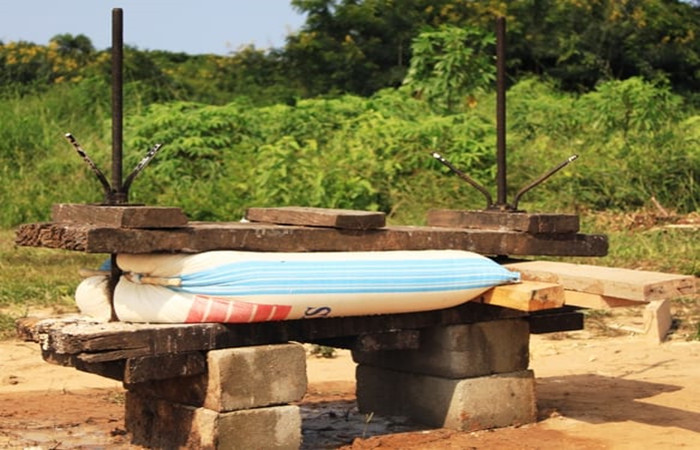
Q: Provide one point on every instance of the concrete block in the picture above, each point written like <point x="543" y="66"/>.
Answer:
<point x="466" y="405"/>
<point x="161" y="424"/>
<point x="238" y="378"/>
<point x="460" y="351"/>
<point x="277" y="427"/>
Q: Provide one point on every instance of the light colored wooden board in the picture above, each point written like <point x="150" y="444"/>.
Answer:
<point x="637" y="285"/>
<point x="657" y="320"/>
<point x="526" y="296"/>
<point x="597" y="301"/>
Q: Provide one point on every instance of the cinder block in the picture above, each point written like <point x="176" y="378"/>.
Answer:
<point x="466" y="405"/>
<point x="277" y="427"/>
<point x="460" y="351"/>
<point x="161" y="424"/>
<point x="238" y="378"/>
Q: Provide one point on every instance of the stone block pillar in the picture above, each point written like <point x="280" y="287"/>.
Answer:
<point x="464" y="377"/>
<point x="241" y="402"/>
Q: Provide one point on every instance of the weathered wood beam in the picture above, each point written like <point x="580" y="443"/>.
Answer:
<point x="200" y="237"/>
<point x="318" y="217"/>
<point x="533" y="223"/>
<point x="131" y="216"/>
<point x="163" y="367"/>
<point x="555" y="320"/>
<point x="371" y="342"/>
<point x="628" y="284"/>
<point x="71" y="340"/>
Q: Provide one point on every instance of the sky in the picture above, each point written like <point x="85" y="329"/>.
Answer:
<point x="190" y="26"/>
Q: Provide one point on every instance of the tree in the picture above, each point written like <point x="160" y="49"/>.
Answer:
<point x="360" y="46"/>
<point x="449" y="64"/>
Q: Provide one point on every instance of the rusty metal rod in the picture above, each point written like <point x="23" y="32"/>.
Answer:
<point x="119" y="196"/>
<point x="541" y="179"/>
<point x="465" y="177"/>
<point x="501" y="112"/>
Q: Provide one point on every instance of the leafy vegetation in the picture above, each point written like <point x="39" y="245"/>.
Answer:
<point x="347" y="114"/>
<point x="636" y="140"/>
<point x="34" y="279"/>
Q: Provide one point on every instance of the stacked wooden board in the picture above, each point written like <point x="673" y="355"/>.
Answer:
<point x="292" y="229"/>
<point x="545" y="286"/>
<point x="598" y="287"/>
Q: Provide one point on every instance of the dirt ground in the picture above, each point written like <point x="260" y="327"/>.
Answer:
<point x="597" y="388"/>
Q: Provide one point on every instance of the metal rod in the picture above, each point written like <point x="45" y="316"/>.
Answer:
<point x="465" y="177"/>
<point x="118" y="196"/>
<point x="541" y="179"/>
<point x="117" y="105"/>
<point x="501" y="111"/>
<point x="114" y="274"/>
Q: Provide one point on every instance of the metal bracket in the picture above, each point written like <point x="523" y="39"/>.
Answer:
<point x="116" y="193"/>
<point x="501" y="203"/>
<point x="114" y="196"/>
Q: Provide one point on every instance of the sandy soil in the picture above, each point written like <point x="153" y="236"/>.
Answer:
<point x="594" y="391"/>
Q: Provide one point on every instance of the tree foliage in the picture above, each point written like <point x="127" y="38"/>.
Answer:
<point x="449" y="64"/>
<point x="359" y="46"/>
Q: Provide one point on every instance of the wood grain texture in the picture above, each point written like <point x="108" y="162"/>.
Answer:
<point x="318" y="217"/>
<point x="130" y="216"/>
<point x="526" y="296"/>
<point x="533" y="223"/>
<point x="70" y="341"/>
<point x="597" y="301"/>
<point x="628" y="284"/>
<point x="205" y="236"/>
<point x="149" y="368"/>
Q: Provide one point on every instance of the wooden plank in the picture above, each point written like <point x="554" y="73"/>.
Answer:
<point x="657" y="320"/>
<point x="201" y="236"/>
<point x="526" y="296"/>
<point x="128" y="216"/>
<point x="150" y="368"/>
<point x="318" y="217"/>
<point x="553" y="321"/>
<point x="25" y="328"/>
<point x="637" y="285"/>
<point x="369" y="342"/>
<point x="596" y="301"/>
<point x="500" y="220"/>
<point x="92" y="343"/>
<point x="391" y="340"/>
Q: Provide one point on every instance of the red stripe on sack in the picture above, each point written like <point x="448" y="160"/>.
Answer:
<point x="222" y="310"/>
<point x="218" y="309"/>
<point x="281" y="312"/>
<point x="262" y="313"/>
<point x="197" y="310"/>
<point x="242" y="312"/>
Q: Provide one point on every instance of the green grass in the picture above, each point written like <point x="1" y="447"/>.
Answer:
<point x="37" y="278"/>
<point x="638" y="241"/>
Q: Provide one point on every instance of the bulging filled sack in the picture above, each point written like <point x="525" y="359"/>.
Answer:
<point x="239" y="287"/>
